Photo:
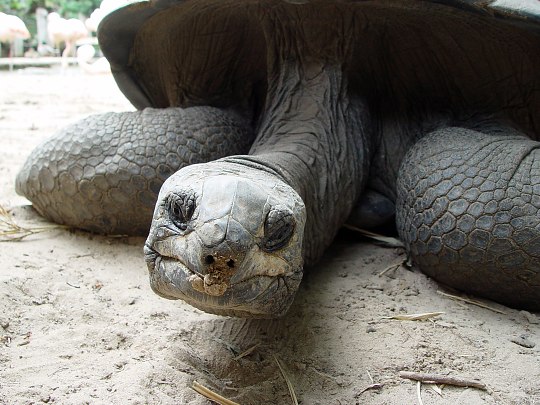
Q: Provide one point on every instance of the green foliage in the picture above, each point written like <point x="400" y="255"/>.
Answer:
<point x="25" y="9"/>
<point x="13" y="6"/>
<point x="73" y="9"/>
<point x="66" y="8"/>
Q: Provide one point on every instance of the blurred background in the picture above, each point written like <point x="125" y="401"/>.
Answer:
<point x="49" y="32"/>
<point x="52" y="74"/>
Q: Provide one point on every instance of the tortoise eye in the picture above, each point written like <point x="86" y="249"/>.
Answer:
<point x="278" y="228"/>
<point x="181" y="207"/>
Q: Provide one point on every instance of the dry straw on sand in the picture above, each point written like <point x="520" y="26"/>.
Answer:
<point x="11" y="231"/>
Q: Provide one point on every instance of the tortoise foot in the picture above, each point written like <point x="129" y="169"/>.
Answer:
<point x="468" y="210"/>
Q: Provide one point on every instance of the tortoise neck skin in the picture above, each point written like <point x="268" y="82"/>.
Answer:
<point x="312" y="130"/>
<point x="316" y="136"/>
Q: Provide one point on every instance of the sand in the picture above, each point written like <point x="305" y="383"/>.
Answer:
<point x="79" y="323"/>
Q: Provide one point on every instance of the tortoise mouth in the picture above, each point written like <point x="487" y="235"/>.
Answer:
<point x="254" y="295"/>
<point x="238" y="252"/>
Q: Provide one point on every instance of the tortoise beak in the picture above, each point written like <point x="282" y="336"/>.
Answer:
<point x="253" y="297"/>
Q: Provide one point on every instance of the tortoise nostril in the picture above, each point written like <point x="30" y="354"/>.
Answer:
<point x="219" y="262"/>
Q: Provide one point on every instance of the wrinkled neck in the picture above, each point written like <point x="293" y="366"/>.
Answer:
<point x="315" y="136"/>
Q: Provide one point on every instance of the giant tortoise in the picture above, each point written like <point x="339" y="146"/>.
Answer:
<point x="263" y="125"/>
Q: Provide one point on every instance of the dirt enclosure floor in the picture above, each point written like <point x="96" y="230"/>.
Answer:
<point x="80" y="325"/>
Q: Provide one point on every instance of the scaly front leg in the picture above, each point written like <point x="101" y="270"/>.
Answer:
<point x="103" y="174"/>
<point x="468" y="210"/>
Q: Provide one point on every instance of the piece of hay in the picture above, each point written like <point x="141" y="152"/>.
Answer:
<point x="288" y="381"/>
<point x="386" y="240"/>
<point x="211" y="395"/>
<point x="443" y="379"/>
<point x="419" y="393"/>
<point x="247" y="352"/>
<point x="394" y="266"/>
<point x="437" y="389"/>
<point x="11" y="231"/>
<point x="375" y="386"/>
<point x="414" y="317"/>
<point x="473" y="302"/>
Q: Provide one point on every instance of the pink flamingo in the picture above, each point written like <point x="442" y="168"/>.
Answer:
<point x="67" y="31"/>
<point x="11" y="28"/>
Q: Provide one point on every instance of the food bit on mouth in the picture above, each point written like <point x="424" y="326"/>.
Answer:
<point x="214" y="286"/>
<point x="197" y="283"/>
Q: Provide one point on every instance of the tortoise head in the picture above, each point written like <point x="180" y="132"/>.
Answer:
<point x="225" y="242"/>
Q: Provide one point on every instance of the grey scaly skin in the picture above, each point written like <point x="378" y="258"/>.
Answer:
<point x="469" y="212"/>
<point x="103" y="173"/>
<point x="348" y="108"/>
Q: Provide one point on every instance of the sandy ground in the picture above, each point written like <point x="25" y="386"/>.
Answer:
<point x="79" y="323"/>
